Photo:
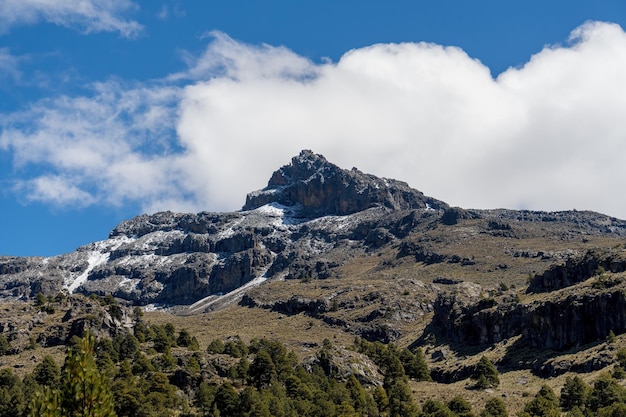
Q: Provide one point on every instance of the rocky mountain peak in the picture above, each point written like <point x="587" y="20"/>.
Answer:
<point x="302" y="168"/>
<point x="316" y="187"/>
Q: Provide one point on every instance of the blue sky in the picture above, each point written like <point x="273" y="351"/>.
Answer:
<point x="120" y="107"/>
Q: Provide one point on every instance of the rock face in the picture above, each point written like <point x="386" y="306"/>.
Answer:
<point x="319" y="188"/>
<point x="577" y="269"/>
<point x="562" y="320"/>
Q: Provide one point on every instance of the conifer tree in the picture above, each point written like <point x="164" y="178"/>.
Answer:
<point x="11" y="393"/>
<point x="357" y="394"/>
<point x="84" y="391"/>
<point x="433" y="408"/>
<point x="459" y="406"/>
<point x="262" y="370"/>
<point x="545" y="404"/>
<point x="494" y="407"/>
<point x="606" y="391"/>
<point x="485" y="374"/>
<point x="47" y="372"/>
<point x="226" y="400"/>
<point x="4" y="345"/>
<point x="46" y="403"/>
<point x="574" y="393"/>
<point x="400" y="399"/>
<point x="575" y="412"/>
<point x="204" y="398"/>
<point x="415" y="365"/>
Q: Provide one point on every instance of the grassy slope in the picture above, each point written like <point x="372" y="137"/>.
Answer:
<point x="400" y="288"/>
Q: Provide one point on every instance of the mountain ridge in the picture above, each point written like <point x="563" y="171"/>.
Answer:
<point x="404" y="268"/>
<point x="310" y="209"/>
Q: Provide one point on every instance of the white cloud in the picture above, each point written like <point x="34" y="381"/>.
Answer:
<point x="57" y="190"/>
<point x="115" y="146"/>
<point x="9" y="65"/>
<point x="548" y="135"/>
<point x="87" y="16"/>
<point x="165" y="12"/>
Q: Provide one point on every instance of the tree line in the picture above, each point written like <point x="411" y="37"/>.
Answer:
<point x="158" y="370"/>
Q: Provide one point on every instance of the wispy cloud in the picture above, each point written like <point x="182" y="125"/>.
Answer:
<point x="112" y="147"/>
<point x="9" y="65"/>
<point x="167" y="11"/>
<point x="548" y="135"/>
<point x="87" y="16"/>
<point x="55" y="189"/>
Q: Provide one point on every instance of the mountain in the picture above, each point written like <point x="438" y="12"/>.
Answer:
<point x="370" y="256"/>
<point x="171" y="258"/>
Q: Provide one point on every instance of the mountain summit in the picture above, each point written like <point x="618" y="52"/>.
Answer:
<point x="317" y="188"/>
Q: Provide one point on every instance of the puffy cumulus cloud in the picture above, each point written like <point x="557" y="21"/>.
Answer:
<point x="568" y="152"/>
<point x="229" y="59"/>
<point x="543" y="136"/>
<point x="86" y="15"/>
<point x="547" y="135"/>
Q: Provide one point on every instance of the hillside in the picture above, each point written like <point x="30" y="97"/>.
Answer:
<point x="329" y="254"/>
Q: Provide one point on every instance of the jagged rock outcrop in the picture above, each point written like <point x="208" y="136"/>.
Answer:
<point x="341" y="363"/>
<point x="453" y="215"/>
<point x="577" y="269"/>
<point x="319" y="188"/>
<point x="294" y="305"/>
<point x="55" y="323"/>
<point x="576" y="223"/>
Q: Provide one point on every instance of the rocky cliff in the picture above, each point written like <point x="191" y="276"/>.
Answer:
<point x="584" y="305"/>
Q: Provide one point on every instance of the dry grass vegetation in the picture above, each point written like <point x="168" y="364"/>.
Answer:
<point x="381" y="290"/>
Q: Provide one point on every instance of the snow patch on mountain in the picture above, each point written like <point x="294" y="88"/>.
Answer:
<point x="206" y="303"/>
<point x="279" y="214"/>
<point x="95" y="259"/>
<point x="229" y="231"/>
<point x="98" y="254"/>
<point x="129" y="284"/>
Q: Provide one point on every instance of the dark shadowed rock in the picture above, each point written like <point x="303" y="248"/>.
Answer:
<point x="319" y="188"/>
<point x="452" y="215"/>
<point x="561" y="321"/>
<point x="577" y="269"/>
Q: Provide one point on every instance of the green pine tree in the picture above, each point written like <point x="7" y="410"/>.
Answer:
<point x="400" y="399"/>
<point x="84" y="390"/>
<point x="485" y="374"/>
<point x="606" y="391"/>
<point x="461" y="407"/>
<point x="415" y="365"/>
<point x="46" y="403"/>
<point x="574" y="393"/>
<point x="5" y="346"/>
<point x="545" y="404"/>
<point x="47" y="372"/>
<point x="494" y="407"/>
<point x="11" y="393"/>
